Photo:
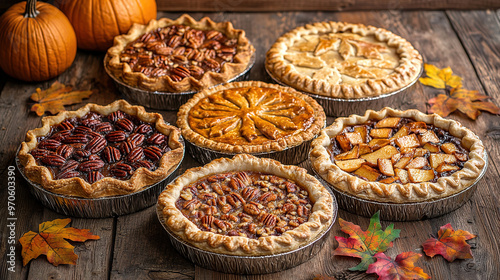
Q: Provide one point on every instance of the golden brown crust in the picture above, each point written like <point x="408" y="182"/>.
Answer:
<point x="320" y="219"/>
<point x="396" y="192"/>
<point x="107" y="186"/>
<point x="272" y="145"/>
<point x="165" y="83"/>
<point x="408" y="68"/>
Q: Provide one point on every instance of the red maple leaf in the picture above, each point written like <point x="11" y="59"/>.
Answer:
<point x="450" y="244"/>
<point x="365" y="244"/>
<point x="401" y="268"/>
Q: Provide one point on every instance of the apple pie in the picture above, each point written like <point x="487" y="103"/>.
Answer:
<point x="101" y="151"/>
<point x="398" y="156"/>
<point x="343" y="60"/>
<point x="179" y="55"/>
<point x="247" y="206"/>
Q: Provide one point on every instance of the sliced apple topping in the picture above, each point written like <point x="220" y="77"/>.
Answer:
<point x="368" y="173"/>
<point x="388" y="122"/>
<point x="420" y="175"/>
<point x="384" y="152"/>
<point x="350" y="165"/>
<point x="385" y="166"/>
<point x="381" y="133"/>
<point x="398" y="150"/>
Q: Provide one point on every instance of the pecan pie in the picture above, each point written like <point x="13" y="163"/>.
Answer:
<point x="247" y="206"/>
<point x="179" y="55"/>
<point x="100" y="151"/>
<point x="250" y="117"/>
<point x="343" y="60"/>
<point x="398" y="156"/>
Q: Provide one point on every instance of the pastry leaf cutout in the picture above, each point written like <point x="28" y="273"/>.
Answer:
<point x="401" y="268"/>
<point x="54" y="98"/>
<point x="50" y="241"/>
<point x="365" y="244"/>
<point x="450" y="244"/>
<point x="469" y="102"/>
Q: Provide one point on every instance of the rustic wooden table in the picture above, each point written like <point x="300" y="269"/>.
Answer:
<point x="135" y="246"/>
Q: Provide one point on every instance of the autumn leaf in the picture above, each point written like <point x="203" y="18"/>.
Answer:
<point x="54" y="98"/>
<point x="450" y="244"/>
<point x="440" y="78"/>
<point x="402" y="268"/>
<point x="323" y="277"/>
<point x="466" y="101"/>
<point x="50" y="241"/>
<point x="365" y="244"/>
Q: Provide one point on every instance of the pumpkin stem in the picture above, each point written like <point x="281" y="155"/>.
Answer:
<point x="31" y="11"/>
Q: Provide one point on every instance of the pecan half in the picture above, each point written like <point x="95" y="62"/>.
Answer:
<point x="126" y="147"/>
<point x="154" y="153"/>
<point x="125" y="124"/>
<point x="61" y="135"/>
<point x="70" y="165"/>
<point x="96" y="145"/>
<point x="82" y="130"/>
<point x="116" y="136"/>
<point x="111" y="154"/>
<point x="116" y="116"/>
<point x="94" y="176"/>
<point x="103" y="127"/>
<point x="39" y="153"/>
<point x="91" y="165"/>
<point x="136" y="139"/>
<point x="68" y="174"/>
<point x="223" y="225"/>
<point x="65" y="151"/>
<point x="156" y="138"/>
<point x="250" y="193"/>
<point x="251" y="209"/>
<point x="76" y="138"/>
<point x="135" y="155"/>
<point x="81" y="154"/>
<point x="269" y="220"/>
<point x="66" y="125"/>
<point x="144" y="129"/>
<point x="53" y="160"/>
<point x="121" y="170"/>
<point x="49" y="144"/>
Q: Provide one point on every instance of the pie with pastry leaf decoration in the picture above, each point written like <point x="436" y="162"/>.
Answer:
<point x="247" y="206"/>
<point x="250" y="117"/>
<point x="398" y="156"/>
<point x="343" y="60"/>
<point x="179" y="55"/>
<point x="101" y="151"/>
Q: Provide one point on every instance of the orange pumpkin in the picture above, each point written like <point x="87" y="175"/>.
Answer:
<point x="37" y="42"/>
<point x="97" y="22"/>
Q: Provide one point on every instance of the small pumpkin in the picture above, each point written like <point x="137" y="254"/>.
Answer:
<point x="97" y="22"/>
<point x="37" y="42"/>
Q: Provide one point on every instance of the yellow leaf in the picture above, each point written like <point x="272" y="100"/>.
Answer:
<point x="54" y="98"/>
<point x="440" y="78"/>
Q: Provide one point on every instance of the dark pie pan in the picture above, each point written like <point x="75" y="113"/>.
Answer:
<point x="99" y="207"/>
<point x="160" y="99"/>
<point x="404" y="211"/>
<point x="249" y="265"/>
<point x="289" y="156"/>
<point x="337" y="107"/>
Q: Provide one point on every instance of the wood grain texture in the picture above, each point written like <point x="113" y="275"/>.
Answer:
<point x="135" y="246"/>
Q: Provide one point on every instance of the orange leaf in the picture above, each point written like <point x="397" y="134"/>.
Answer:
<point x="440" y="78"/>
<point x="466" y="101"/>
<point x="450" y="244"/>
<point x="50" y="241"/>
<point x="54" y="98"/>
<point x="401" y="268"/>
<point x="323" y="277"/>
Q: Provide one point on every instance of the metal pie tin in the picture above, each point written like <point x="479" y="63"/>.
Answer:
<point x="249" y="265"/>
<point x="336" y="107"/>
<point x="99" y="207"/>
<point x="404" y="211"/>
<point x="164" y="100"/>
<point x="289" y="156"/>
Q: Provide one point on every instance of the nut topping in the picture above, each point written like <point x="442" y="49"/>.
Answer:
<point x="245" y="204"/>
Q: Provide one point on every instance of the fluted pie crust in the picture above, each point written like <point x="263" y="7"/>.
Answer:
<point x="398" y="192"/>
<point x="273" y="123"/>
<point x="343" y="60"/>
<point x="107" y="186"/>
<point x="121" y="70"/>
<point x="319" y="220"/>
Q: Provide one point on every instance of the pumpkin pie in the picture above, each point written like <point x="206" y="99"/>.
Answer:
<point x="398" y="156"/>
<point x="246" y="206"/>
<point x="343" y="60"/>
<point x="101" y="151"/>
<point x="179" y="55"/>
<point x="250" y="117"/>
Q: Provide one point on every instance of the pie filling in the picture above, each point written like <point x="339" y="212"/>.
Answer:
<point x="250" y="116"/>
<point x="96" y="146"/>
<point x="397" y="150"/>
<point x="342" y="58"/>
<point x="179" y="51"/>
<point x="246" y="203"/>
